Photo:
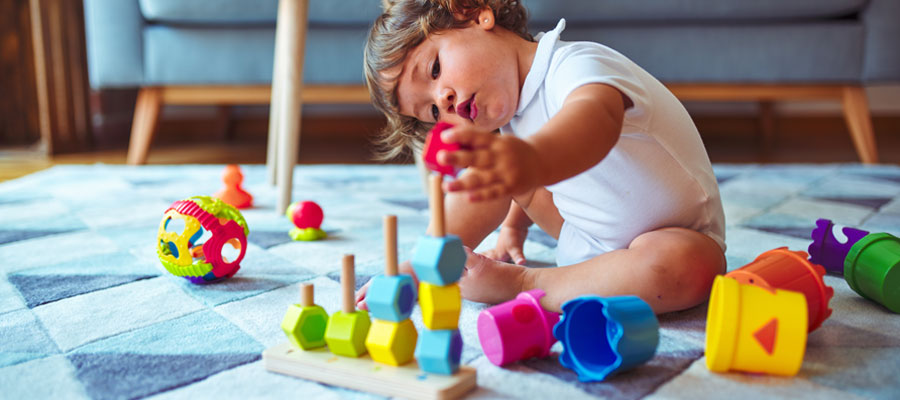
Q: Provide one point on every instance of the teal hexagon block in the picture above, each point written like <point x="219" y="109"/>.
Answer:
<point x="391" y="298"/>
<point x="439" y="260"/>
<point x="439" y="352"/>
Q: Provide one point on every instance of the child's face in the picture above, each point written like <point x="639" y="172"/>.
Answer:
<point x="462" y="76"/>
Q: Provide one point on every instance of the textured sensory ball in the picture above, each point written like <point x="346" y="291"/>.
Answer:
<point x="193" y="235"/>
<point x="307" y="216"/>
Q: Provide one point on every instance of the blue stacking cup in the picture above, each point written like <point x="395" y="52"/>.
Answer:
<point x="603" y="336"/>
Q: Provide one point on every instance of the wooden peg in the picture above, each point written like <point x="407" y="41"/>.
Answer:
<point x="306" y="295"/>
<point x="390" y="245"/>
<point x="436" y="197"/>
<point x="348" y="284"/>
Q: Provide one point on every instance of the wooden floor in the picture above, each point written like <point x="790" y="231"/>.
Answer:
<point x="728" y="140"/>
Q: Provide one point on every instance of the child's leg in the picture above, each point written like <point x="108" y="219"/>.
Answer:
<point x="671" y="268"/>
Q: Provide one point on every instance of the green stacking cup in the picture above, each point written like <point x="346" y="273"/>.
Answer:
<point x="872" y="269"/>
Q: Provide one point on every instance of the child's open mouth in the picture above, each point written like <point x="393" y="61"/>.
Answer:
<point x="467" y="109"/>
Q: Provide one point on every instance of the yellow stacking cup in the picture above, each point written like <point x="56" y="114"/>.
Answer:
<point x="752" y="329"/>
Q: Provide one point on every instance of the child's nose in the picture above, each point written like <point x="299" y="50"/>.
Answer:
<point x="447" y="100"/>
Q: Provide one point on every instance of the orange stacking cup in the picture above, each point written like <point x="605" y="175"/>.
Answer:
<point x="790" y="270"/>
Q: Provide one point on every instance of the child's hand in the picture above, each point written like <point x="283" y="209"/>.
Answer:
<point x="498" y="165"/>
<point x="509" y="245"/>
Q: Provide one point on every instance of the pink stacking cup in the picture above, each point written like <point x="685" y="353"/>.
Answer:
<point x="517" y="330"/>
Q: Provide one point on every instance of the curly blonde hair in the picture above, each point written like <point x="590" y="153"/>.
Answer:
<point x="402" y="26"/>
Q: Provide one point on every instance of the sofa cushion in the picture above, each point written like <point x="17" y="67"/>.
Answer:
<point x="358" y="12"/>
<point x="363" y="12"/>
<point x="208" y="55"/>
<point x="673" y="11"/>
<point x="816" y="52"/>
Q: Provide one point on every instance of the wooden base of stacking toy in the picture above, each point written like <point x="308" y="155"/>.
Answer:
<point x="364" y="374"/>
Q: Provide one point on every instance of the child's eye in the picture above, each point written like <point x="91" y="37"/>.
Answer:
<point x="435" y="112"/>
<point x="436" y="68"/>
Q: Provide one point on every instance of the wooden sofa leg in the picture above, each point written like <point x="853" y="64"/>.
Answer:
<point x="146" y="117"/>
<point x="859" y="121"/>
<point x="767" y="128"/>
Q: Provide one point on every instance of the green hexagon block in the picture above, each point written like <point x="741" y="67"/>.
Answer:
<point x="305" y="326"/>
<point x="346" y="333"/>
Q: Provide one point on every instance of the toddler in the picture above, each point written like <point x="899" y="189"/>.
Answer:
<point x="591" y="148"/>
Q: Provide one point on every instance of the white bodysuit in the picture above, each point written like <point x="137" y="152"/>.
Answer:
<point x="658" y="174"/>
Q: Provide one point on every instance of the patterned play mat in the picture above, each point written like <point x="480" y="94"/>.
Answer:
<point x="87" y="311"/>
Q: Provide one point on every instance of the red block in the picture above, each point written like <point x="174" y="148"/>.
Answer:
<point x="434" y="144"/>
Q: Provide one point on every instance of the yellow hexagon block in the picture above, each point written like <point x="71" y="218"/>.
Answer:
<point x="392" y="343"/>
<point x="440" y="305"/>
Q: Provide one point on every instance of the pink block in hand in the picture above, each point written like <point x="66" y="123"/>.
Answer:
<point x="434" y="144"/>
<point x="517" y="330"/>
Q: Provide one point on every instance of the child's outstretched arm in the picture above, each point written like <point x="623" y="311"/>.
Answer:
<point x="579" y="136"/>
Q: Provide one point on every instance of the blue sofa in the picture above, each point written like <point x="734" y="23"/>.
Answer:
<point x="761" y="50"/>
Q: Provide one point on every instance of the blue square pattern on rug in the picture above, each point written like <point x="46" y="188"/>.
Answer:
<point x="86" y="311"/>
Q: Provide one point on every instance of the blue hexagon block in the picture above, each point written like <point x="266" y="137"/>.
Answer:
<point x="439" y="260"/>
<point x="439" y="352"/>
<point x="391" y="298"/>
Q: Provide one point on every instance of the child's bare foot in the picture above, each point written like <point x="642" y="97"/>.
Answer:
<point x="490" y="281"/>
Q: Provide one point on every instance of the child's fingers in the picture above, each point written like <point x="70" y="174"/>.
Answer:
<point x="487" y="192"/>
<point x="471" y="180"/>
<point x="517" y="256"/>
<point x="466" y="136"/>
<point x="497" y="254"/>
<point x="466" y="158"/>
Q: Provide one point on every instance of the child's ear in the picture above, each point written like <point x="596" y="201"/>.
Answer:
<point x="485" y="19"/>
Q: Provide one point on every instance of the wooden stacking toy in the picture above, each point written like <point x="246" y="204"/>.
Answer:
<point x="439" y="261"/>
<point x="347" y="329"/>
<point x="790" y="270"/>
<point x="392" y="338"/>
<point x="305" y="323"/>
<point x="516" y="330"/>
<point x="603" y="336"/>
<point x="752" y="329"/>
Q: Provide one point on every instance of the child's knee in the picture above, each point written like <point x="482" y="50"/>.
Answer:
<point x="683" y="262"/>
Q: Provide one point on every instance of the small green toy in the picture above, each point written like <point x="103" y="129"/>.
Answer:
<point x="307" y="216"/>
